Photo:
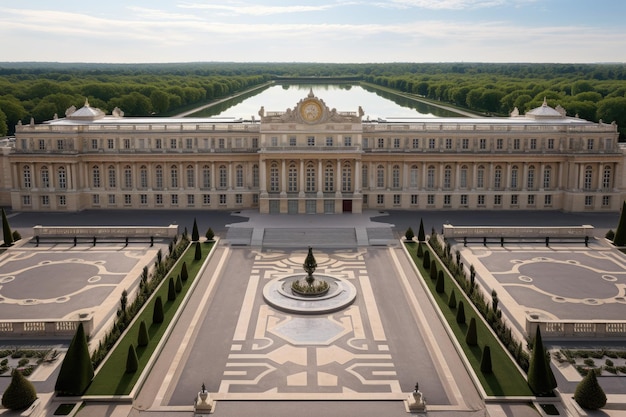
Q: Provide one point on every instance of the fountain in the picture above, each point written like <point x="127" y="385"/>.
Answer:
<point x="309" y="293"/>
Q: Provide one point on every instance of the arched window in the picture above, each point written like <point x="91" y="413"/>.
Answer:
<point x="607" y="178"/>
<point x="255" y="175"/>
<point x="45" y="177"/>
<point x="191" y="176"/>
<point x="95" y="176"/>
<point x="27" y="180"/>
<point x="547" y="177"/>
<point x="223" y="173"/>
<point x="112" y="176"/>
<point x="480" y="176"/>
<point x="329" y="178"/>
<point x="395" y="176"/>
<point x="497" y="177"/>
<point x="530" y="181"/>
<point x="447" y="177"/>
<point x="62" y="177"/>
<point x="292" y="178"/>
<point x="310" y="177"/>
<point x="463" y="176"/>
<point x="174" y="176"/>
<point x="239" y="176"/>
<point x="143" y="177"/>
<point x="206" y="177"/>
<point x="274" y="182"/>
<point x="128" y="177"/>
<point x="364" y="176"/>
<point x="159" y="176"/>
<point x="514" y="173"/>
<point x="588" y="177"/>
<point x="346" y="178"/>
<point x="430" y="176"/>
<point x="380" y="176"/>
<point x="414" y="176"/>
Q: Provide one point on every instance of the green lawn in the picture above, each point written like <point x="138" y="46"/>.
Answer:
<point x="112" y="379"/>
<point x="506" y="379"/>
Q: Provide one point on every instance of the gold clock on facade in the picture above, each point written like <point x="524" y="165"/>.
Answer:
<point x="311" y="111"/>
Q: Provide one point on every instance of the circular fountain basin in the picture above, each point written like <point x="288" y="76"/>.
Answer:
<point x="278" y="294"/>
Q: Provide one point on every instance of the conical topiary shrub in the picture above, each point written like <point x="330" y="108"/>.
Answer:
<point x="171" y="290"/>
<point x="409" y="235"/>
<point x="485" y="362"/>
<point x="157" y="312"/>
<point x="540" y="377"/>
<point x="452" y="300"/>
<point x="198" y="254"/>
<point x="440" y="284"/>
<point x="426" y="260"/>
<point x="184" y="275"/>
<point x="420" y="250"/>
<point x="178" y="284"/>
<point x="421" y="236"/>
<point x="132" y="363"/>
<point x="77" y="369"/>
<point x="195" y="235"/>
<point x="589" y="394"/>
<point x="20" y="393"/>
<point x="143" y="338"/>
<point x="471" y="337"/>
<point x="6" y="230"/>
<point x="433" y="269"/>
<point x="460" y="313"/>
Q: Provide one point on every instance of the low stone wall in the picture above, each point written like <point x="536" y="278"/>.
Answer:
<point x="582" y="329"/>
<point x="36" y="329"/>
<point x="105" y="231"/>
<point x="517" y="232"/>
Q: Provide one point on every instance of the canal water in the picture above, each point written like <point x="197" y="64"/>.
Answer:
<point x="342" y="97"/>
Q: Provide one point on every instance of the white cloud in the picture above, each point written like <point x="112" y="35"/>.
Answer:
<point x="256" y="10"/>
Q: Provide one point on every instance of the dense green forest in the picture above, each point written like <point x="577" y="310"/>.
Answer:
<point x="39" y="90"/>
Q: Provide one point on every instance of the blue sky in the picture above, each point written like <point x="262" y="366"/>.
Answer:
<point x="313" y="31"/>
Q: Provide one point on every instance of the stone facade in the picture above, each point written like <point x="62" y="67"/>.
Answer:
<point x="314" y="159"/>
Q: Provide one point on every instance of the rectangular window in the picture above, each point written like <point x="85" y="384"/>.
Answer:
<point x="381" y="143"/>
<point x="396" y="199"/>
<point x="310" y="141"/>
<point x="143" y="199"/>
<point x="396" y="143"/>
<point x="158" y="143"/>
<point x="238" y="198"/>
<point x="191" y="200"/>
<point x="173" y="143"/>
<point x="588" y="200"/>
<point x="533" y="144"/>
<point x="547" y="200"/>
<point x="189" y="143"/>
<point x="110" y="144"/>
<point x="128" y="199"/>
<point x="516" y="144"/>
<point x="111" y="198"/>
<point x="448" y="143"/>
<point x="329" y="141"/>
<point x="158" y="199"/>
<point x="481" y="200"/>
<point x="206" y="199"/>
<point x="531" y="199"/>
<point x="174" y="199"/>
<point x="514" y="200"/>
<point x="414" y="199"/>
<point x="347" y="141"/>
<point x="221" y="143"/>
<point x="447" y="199"/>
<point x="430" y="199"/>
<point x="465" y="143"/>
<point x="499" y="143"/>
<point x="292" y="141"/>
<point x="60" y="145"/>
<point x="274" y="141"/>
<point x="222" y="199"/>
<point x="482" y="144"/>
<point x="606" y="201"/>
<point x="589" y="144"/>
<point x="255" y="199"/>
<point x="431" y="143"/>
<point x="45" y="200"/>
<point x="26" y="200"/>
<point x="464" y="200"/>
<point x="126" y="143"/>
<point x="550" y="143"/>
<point x="416" y="143"/>
<point x="380" y="199"/>
<point x="497" y="200"/>
<point x="94" y="144"/>
<point x="95" y="199"/>
<point x="62" y="200"/>
<point x="255" y="143"/>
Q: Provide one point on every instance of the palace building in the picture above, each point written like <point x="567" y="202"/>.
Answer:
<point x="314" y="159"/>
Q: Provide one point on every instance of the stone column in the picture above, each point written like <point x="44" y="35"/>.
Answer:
<point x="283" y="179"/>
<point x="262" y="178"/>
<point x="320" y="179"/>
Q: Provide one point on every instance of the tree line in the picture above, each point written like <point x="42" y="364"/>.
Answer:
<point x="40" y="90"/>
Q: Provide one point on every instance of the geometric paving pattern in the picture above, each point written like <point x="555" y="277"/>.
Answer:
<point x="342" y="355"/>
